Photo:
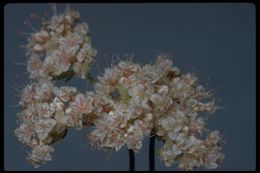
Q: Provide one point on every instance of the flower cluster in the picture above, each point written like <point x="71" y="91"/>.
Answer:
<point x="46" y="112"/>
<point x="177" y="100"/>
<point x="42" y="119"/>
<point x="122" y="110"/>
<point x="132" y="101"/>
<point x="129" y="102"/>
<point x="62" y="45"/>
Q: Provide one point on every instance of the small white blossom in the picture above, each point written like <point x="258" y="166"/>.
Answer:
<point x="40" y="154"/>
<point x="44" y="127"/>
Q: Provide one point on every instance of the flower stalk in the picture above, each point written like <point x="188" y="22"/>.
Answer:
<point x="131" y="160"/>
<point x="151" y="153"/>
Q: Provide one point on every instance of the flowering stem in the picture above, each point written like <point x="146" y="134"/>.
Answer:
<point x="151" y="153"/>
<point x="131" y="160"/>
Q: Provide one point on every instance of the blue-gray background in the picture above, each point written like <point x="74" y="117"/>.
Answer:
<point x="217" y="41"/>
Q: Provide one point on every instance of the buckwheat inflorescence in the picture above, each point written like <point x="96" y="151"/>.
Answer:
<point x="129" y="102"/>
<point x="61" y="49"/>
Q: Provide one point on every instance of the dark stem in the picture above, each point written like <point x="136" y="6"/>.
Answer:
<point x="91" y="79"/>
<point x="131" y="160"/>
<point x="151" y="153"/>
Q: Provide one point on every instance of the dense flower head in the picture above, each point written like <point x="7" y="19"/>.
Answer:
<point x="62" y="44"/>
<point x="132" y="101"/>
<point x="43" y="118"/>
<point x="121" y="108"/>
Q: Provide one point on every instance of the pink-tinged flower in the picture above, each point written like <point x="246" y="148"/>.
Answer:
<point x="70" y="44"/>
<point x="43" y="110"/>
<point x="81" y="28"/>
<point x="55" y="23"/>
<point x="86" y="54"/>
<point x="40" y="154"/>
<point x="64" y="58"/>
<point x="42" y="36"/>
<point x="28" y="114"/>
<point x="61" y="59"/>
<point x="44" y="127"/>
<point x="212" y="159"/>
<point x="57" y="105"/>
<point x="163" y="90"/>
<point x="188" y="163"/>
<point x="176" y="150"/>
<point x="104" y="128"/>
<point x="119" y="142"/>
<point x="71" y="15"/>
<point x="65" y="93"/>
<point x="134" y="138"/>
<point x="50" y="67"/>
<point x="28" y="95"/>
<point x="83" y="104"/>
<point x="44" y="90"/>
<point x="39" y="48"/>
<point x="25" y="133"/>
<point x="71" y="40"/>
<point x="73" y="118"/>
<point x="34" y="66"/>
<point x="213" y="138"/>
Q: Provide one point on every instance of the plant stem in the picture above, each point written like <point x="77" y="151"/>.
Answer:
<point x="151" y="153"/>
<point x="91" y="79"/>
<point x="131" y="160"/>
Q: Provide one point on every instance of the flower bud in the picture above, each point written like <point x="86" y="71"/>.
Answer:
<point x="41" y="36"/>
<point x="38" y="48"/>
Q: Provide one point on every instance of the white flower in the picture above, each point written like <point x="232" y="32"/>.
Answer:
<point x="73" y="118"/>
<point x="163" y="90"/>
<point x="41" y="36"/>
<point x="39" y="48"/>
<point x="43" y="110"/>
<point x="25" y="133"/>
<point x="44" y="90"/>
<point x="176" y="150"/>
<point x="61" y="59"/>
<point x="64" y="93"/>
<point x="34" y="66"/>
<point x="71" y="43"/>
<point x="167" y="122"/>
<point x="213" y="137"/>
<point x="83" y="104"/>
<point x="57" y="105"/>
<point x="81" y="28"/>
<point x="56" y="24"/>
<point x="179" y="114"/>
<point x="81" y="69"/>
<point x="40" y="154"/>
<point x="86" y="53"/>
<point x="151" y="73"/>
<point x="188" y="163"/>
<point x="211" y="159"/>
<point x="44" y="127"/>
<point x="103" y="128"/>
<point x="28" y="94"/>
<point x="50" y="66"/>
<point x="61" y="118"/>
